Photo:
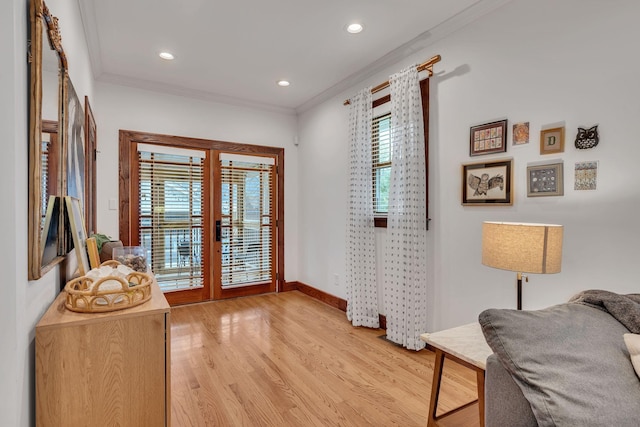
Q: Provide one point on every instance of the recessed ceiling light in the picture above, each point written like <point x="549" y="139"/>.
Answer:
<point x="283" y="83"/>
<point x="354" y="28"/>
<point x="166" y="55"/>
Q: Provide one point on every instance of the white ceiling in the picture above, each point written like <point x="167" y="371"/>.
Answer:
<point x="235" y="51"/>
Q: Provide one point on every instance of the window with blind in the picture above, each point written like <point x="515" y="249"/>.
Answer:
<point x="382" y="153"/>
<point x="247" y="219"/>
<point x="170" y="215"/>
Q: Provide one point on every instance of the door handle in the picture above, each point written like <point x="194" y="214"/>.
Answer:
<point x="218" y="230"/>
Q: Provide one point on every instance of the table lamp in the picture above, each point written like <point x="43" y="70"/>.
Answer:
<point x="523" y="248"/>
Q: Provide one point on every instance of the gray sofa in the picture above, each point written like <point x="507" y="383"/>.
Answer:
<point x="505" y="405"/>
<point x="566" y="365"/>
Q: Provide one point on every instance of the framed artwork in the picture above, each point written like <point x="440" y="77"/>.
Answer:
<point x="75" y="146"/>
<point x="587" y="138"/>
<point x="545" y="179"/>
<point x="586" y="175"/>
<point x="488" y="183"/>
<point x="90" y="138"/>
<point x="78" y="234"/>
<point x="51" y="230"/>
<point x="552" y="141"/>
<point x="520" y="133"/>
<point x="488" y="138"/>
<point x="92" y="251"/>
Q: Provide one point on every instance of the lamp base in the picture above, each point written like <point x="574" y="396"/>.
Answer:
<point x="519" y="281"/>
<point x="519" y="284"/>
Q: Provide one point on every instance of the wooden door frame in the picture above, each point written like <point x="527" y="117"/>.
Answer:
<point x="129" y="139"/>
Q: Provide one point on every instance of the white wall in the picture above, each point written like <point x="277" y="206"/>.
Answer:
<point x="543" y="62"/>
<point x="23" y="302"/>
<point x="126" y="108"/>
<point x="13" y="119"/>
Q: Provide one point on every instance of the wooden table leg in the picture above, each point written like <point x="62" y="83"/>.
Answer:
<point x="435" y="387"/>
<point x="480" y="381"/>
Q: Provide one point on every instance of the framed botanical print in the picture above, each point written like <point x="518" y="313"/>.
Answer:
<point x="488" y="138"/>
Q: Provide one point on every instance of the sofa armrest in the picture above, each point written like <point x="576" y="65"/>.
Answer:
<point x="505" y="405"/>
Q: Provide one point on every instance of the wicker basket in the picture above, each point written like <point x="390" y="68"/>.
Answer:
<point x="85" y="295"/>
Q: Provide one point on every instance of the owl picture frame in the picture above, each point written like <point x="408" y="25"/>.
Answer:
<point x="587" y="138"/>
<point x="488" y="183"/>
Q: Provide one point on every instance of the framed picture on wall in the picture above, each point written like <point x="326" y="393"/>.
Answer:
<point x="75" y="145"/>
<point x="90" y="150"/>
<point x="520" y="133"/>
<point x="552" y="141"/>
<point x="545" y="179"/>
<point x="488" y="183"/>
<point x="488" y="138"/>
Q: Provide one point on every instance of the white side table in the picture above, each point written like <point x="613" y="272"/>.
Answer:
<point x="467" y="346"/>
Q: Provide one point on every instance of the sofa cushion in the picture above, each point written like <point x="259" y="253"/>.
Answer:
<point x="633" y="345"/>
<point x="570" y="362"/>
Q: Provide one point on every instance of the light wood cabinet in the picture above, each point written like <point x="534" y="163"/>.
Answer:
<point x="110" y="369"/>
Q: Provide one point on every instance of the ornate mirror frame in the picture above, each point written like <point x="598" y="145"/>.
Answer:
<point x="43" y="24"/>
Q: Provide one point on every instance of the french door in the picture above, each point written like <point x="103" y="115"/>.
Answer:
<point x="245" y="225"/>
<point x="208" y="217"/>
<point x="171" y="210"/>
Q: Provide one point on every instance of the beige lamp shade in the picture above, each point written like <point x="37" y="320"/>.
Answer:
<point x="525" y="248"/>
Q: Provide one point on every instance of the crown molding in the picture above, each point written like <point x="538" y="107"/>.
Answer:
<point x="417" y="44"/>
<point x="89" y="23"/>
<point x="190" y="93"/>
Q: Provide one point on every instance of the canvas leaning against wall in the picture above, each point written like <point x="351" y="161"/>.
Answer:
<point x="75" y="147"/>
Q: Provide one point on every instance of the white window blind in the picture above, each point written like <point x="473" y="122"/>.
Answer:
<point x="170" y="216"/>
<point x="248" y="220"/>
<point x="381" y="161"/>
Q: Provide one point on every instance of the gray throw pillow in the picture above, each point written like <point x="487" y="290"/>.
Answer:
<point x="571" y="363"/>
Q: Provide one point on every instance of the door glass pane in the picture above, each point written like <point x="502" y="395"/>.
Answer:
<point x="170" y="217"/>
<point x="247" y="222"/>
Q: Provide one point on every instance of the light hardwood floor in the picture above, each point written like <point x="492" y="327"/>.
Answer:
<point x="289" y="360"/>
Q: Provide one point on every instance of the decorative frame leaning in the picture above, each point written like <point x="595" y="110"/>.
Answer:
<point x="75" y="147"/>
<point x="552" y="141"/>
<point x="78" y="234"/>
<point x="488" y="183"/>
<point x="545" y="179"/>
<point x="488" y="138"/>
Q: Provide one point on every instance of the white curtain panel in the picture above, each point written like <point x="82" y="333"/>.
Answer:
<point x="405" y="284"/>
<point x="362" y="289"/>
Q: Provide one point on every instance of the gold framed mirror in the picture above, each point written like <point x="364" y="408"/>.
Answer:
<point x="48" y="66"/>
